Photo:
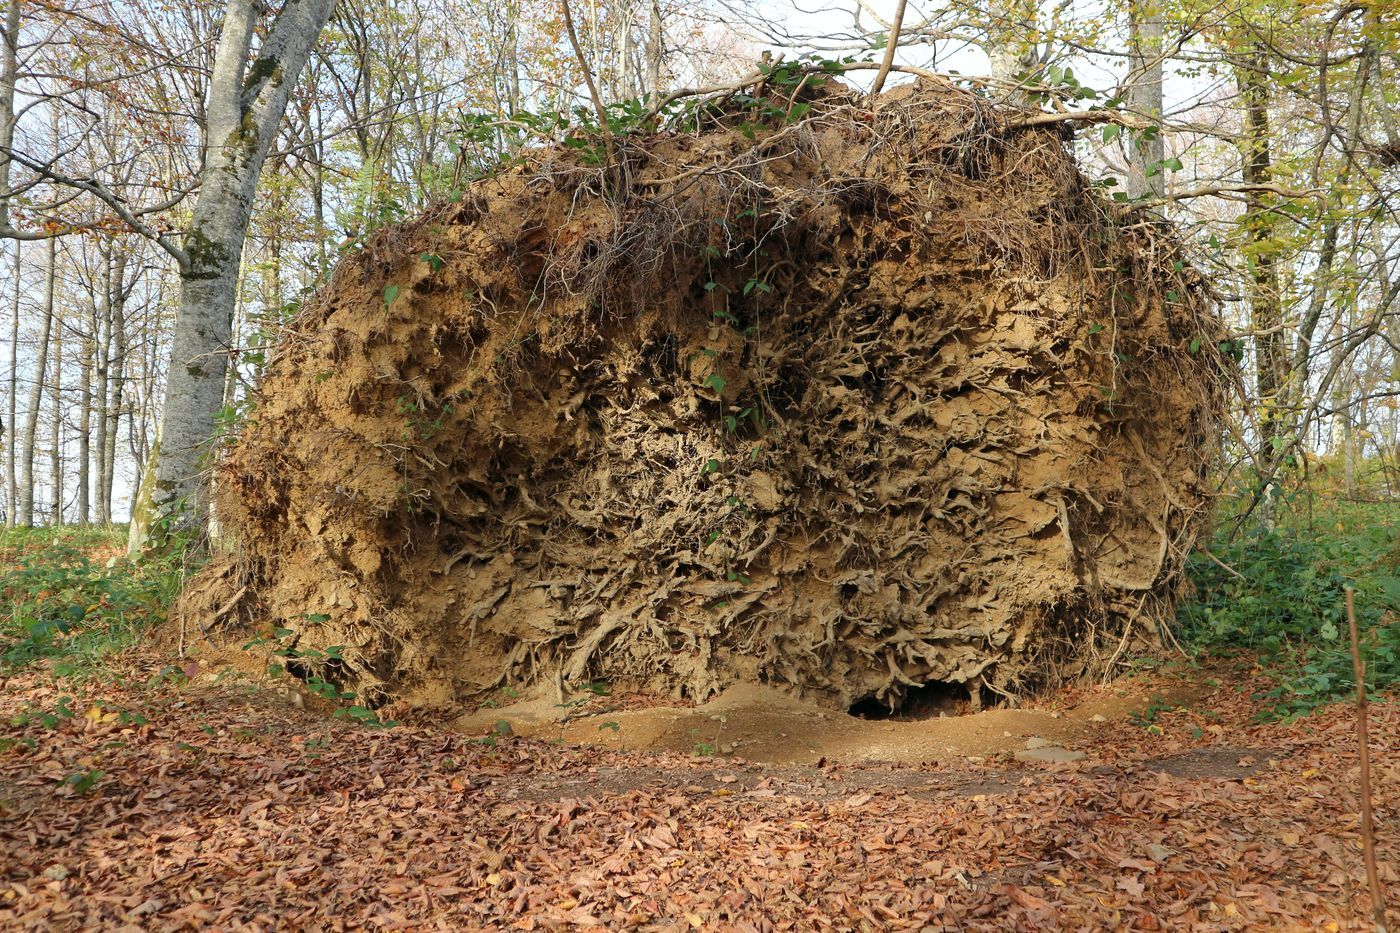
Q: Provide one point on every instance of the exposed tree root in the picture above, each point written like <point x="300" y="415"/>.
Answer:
<point x="880" y="397"/>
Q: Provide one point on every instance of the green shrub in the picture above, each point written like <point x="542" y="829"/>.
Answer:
<point x="1287" y="603"/>
<point x="70" y="595"/>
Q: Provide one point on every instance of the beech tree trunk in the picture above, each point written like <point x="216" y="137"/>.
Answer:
<point x="102" y="355"/>
<point x="36" y="391"/>
<point x="116" y="379"/>
<point x="1010" y="49"/>
<point x="11" y="492"/>
<point x="9" y="66"/>
<point x="56" y="425"/>
<point x="89" y="366"/>
<point x="1266" y="309"/>
<point x="656" y="53"/>
<point x="9" y="41"/>
<point x="1144" y="95"/>
<point x="246" y="103"/>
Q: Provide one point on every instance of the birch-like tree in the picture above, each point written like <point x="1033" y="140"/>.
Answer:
<point x="248" y="94"/>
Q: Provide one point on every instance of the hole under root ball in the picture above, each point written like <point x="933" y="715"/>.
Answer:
<point x="929" y="701"/>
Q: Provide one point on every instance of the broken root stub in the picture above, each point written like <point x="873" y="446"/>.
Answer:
<point x="883" y="397"/>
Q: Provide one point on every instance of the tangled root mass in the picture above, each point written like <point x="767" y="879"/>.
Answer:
<point x="878" y="398"/>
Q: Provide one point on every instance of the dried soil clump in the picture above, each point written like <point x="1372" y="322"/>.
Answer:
<point x="879" y="397"/>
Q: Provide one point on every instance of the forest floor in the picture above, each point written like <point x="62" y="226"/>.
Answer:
<point x="147" y="800"/>
<point x="764" y="724"/>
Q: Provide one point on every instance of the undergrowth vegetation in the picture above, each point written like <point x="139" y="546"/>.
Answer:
<point x="72" y="599"/>
<point x="1280" y="593"/>
<point x="71" y="596"/>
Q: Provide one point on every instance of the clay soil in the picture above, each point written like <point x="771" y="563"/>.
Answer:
<point x="221" y="806"/>
<point x="767" y="725"/>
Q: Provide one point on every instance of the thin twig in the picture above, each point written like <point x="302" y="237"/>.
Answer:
<point x="598" y="107"/>
<point x="1209" y="191"/>
<point x="1368" y="827"/>
<point x="1222" y="565"/>
<point x="890" y="46"/>
<point x="1079" y="116"/>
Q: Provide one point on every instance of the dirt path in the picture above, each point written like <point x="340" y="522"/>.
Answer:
<point x="207" y="807"/>
<point x="765" y="725"/>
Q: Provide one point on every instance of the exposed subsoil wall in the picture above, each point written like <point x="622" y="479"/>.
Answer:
<point x="883" y="397"/>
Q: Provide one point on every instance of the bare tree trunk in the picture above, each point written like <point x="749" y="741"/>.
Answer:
<point x="515" y="98"/>
<point x="9" y="66"/>
<point x="1009" y="46"/>
<point x="1343" y="426"/>
<point x="56" y="427"/>
<point x="36" y="391"/>
<point x="1271" y="341"/>
<point x="246" y="103"/>
<point x="88" y="359"/>
<point x="116" y="377"/>
<point x="624" y="52"/>
<point x="11" y="492"/>
<point x="141" y="442"/>
<point x="102" y="356"/>
<point x="656" y="54"/>
<point x="1144" y="96"/>
<point x="240" y="321"/>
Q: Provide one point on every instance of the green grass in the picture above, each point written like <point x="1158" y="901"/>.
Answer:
<point x="69" y="596"/>
<point x="1288" y="603"/>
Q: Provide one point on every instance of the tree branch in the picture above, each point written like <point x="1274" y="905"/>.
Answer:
<point x="598" y="107"/>
<point x="1210" y="190"/>
<point x="890" y="47"/>
<point x="99" y="191"/>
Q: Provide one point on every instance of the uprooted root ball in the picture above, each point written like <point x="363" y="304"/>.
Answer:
<point x="883" y="397"/>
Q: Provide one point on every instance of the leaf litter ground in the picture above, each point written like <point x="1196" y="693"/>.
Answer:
<point x="218" y="806"/>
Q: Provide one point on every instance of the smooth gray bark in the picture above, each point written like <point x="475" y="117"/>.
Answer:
<point x="116" y="378"/>
<point x="88" y="358"/>
<point x="11" y="492"/>
<point x="1011" y="51"/>
<point x="246" y="103"/>
<point x="102" y="354"/>
<point x="9" y="66"/>
<point x="9" y="63"/>
<point x="1146" y="177"/>
<point x="56" y="425"/>
<point x="656" y="53"/>
<point x="36" y="391"/>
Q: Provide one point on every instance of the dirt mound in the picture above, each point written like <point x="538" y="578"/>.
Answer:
<point x="759" y="723"/>
<point x="848" y="399"/>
